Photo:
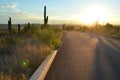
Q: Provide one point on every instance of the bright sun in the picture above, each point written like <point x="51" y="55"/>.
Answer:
<point x="93" y="14"/>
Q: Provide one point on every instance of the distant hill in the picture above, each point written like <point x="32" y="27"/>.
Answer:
<point x="3" y="26"/>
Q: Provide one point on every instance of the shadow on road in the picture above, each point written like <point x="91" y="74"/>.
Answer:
<point x="107" y="62"/>
<point x="116" y="45"/>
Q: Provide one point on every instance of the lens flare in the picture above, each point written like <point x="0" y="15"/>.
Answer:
<point x="25" y="63"/>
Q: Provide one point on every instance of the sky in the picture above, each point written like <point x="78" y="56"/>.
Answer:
<point x="59" y="11"/>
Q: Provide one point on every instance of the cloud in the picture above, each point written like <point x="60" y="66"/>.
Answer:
<point x="13" y="6"/>
<point x="10" y="8"/>
<point x="18" y="15"/>
<point x="13" y="10"/>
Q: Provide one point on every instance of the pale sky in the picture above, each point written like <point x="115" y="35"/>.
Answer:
<point x="59" y="11"/>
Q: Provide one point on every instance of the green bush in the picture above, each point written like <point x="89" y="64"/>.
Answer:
<point x="49" y="36"/>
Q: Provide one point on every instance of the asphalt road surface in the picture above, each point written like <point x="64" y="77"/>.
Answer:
<point x="84" y="56"/>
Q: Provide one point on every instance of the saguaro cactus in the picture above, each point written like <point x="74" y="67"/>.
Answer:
<point x="28" y="25"/>
<point x="18" y="29"/>
<point x="63" y="26"/>
<point x="9" y="25"/>
<point x="45" y="18"/>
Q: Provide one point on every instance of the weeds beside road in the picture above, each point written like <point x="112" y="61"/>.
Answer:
<point x="21" y="55"/>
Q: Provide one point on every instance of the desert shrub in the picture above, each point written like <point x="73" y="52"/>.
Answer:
<point x="116" y="36"/>
<point x="3" y="42"/>
<point x="7" y="40"/>
<point x="3" y="33"/>
<point x="69" y="28"/>
<point x="31" y="31"/>
<point x="84" y="29"/>
<point x="49" y="36"/>
<point x="14" y="30"/>
<point x="57" y="30"/>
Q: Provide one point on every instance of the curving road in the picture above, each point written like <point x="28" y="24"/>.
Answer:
<point x="84" y="56"/>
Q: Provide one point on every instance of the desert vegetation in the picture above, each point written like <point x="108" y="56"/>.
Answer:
<point x="20" y="55"/>
<point x="107" y="29"/>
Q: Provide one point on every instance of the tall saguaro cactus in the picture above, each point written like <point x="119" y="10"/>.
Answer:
<point x="19" y="29"/>
<point x="28" y="25"/>
<point x="9" y="25"/>
<point x="45" y="18"/>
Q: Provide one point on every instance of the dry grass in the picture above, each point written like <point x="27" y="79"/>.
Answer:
<point x="12" y="76"/>
<point x="24" y="59"/>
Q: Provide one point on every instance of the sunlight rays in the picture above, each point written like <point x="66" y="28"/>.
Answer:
<point x="94" y="13"/>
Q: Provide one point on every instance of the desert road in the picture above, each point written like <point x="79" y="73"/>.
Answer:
<point x="84" y="56"/>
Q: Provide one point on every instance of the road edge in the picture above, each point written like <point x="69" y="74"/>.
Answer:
<point x="42" y="70"/>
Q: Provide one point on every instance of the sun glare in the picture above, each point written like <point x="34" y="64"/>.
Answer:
<point x="93" y="14"/>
